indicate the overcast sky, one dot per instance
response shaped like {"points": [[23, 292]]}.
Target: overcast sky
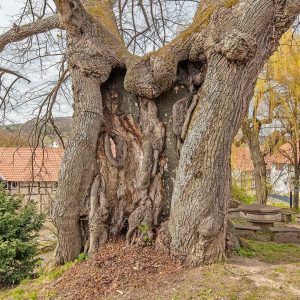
{"points": [[8, 10]]}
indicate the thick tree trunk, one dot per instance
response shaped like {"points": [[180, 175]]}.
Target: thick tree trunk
{"points": [[199, 205], [127, 164], [77, 166], [259, 164], [198, 219], [129, 189]]}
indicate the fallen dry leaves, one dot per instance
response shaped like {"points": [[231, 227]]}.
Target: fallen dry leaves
{"points": [[116, 269]]}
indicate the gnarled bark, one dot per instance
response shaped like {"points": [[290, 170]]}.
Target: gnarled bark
{"points": [[213, 66], [137, 192], [236, 51]]}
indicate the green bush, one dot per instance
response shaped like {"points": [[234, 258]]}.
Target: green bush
{"points": [[19, 226]]}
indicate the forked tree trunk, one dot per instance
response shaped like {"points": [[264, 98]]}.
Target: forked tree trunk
{"points": [[127, 172], [195, 91]]}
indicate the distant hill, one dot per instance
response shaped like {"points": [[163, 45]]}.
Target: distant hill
{"points": [[25, 132], [11, 139]]}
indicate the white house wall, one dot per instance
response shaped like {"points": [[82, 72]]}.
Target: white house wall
{"points": [[41, 193], [281, 179]]}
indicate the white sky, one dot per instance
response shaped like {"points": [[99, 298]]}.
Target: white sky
{"points": [[8, 10]]}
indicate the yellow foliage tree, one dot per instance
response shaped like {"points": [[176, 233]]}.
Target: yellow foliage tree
{"points": [[276, 105], [283, 78]]}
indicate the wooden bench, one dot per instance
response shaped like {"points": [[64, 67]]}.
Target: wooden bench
{"points": [[261, 215], [285, 235]]}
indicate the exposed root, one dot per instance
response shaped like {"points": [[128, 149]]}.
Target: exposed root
{"points": [[141, 216], [99, 213]]}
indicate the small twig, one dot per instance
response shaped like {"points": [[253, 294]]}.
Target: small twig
{"points": [[241, 274]]}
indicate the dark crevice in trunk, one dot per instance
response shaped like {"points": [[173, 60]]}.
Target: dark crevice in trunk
{"points": [[137, 159]]}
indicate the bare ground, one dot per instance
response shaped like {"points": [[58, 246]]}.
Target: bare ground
{"points": [[120, 272]]}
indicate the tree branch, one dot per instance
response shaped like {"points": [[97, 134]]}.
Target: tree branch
{"points": [[18, 75], [18, 33], [102, 11], [219, 26]]}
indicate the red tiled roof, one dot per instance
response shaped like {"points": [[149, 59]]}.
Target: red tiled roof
{"points": [[241, 158], [284, 154], [25, 164]]}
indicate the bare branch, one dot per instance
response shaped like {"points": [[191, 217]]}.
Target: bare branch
{"points": [[18, 33], [18, 75]]}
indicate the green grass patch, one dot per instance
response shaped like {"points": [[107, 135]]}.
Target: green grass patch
{"points": [[55, 272], [270, 252], [245, 252], [240, 195], [278, 204], [22, 294], [280, 269]]}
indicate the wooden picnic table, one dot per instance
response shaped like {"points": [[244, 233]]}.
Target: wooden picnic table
{"points": [[261, 215]]}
